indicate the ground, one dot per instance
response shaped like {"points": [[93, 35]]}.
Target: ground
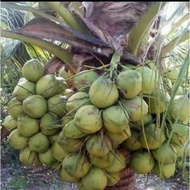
{"points": [[16, 176]]}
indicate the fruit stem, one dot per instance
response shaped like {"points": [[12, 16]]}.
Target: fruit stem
{"points": [[115, 60]]}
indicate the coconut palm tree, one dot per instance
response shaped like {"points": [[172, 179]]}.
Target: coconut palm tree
{"points": [[84, 35]]}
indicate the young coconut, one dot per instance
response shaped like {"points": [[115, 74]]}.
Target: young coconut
{"points": [[118, 162], [98, 145], [24, 89], [165, 154], [68, 178], [76, 101], [47, 157], [142, 162], [132, 143], [164, 171], [48, 124], [179, 133], [16, 140], [129, 83], [39, 143], [113, 178], [9, 123], [103, 92], [148, 79], [47, 86], [15, 108], [69, 144], [95, 179], [27, 126], [35, 106], [33, 70], [180, 108], [84, 79], [115, 119], [28, 157], [88, 119], [70, 130], [136, 107], [76, 165], [58, 152], [57, 104], [152, 137]]}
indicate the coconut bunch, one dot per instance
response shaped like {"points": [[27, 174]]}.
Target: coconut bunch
{"points": [[35, 110], [105, 114]]}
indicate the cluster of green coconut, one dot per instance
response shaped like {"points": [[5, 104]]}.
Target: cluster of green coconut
{"points": [[34, 114], [105, 115], [82, 133]]}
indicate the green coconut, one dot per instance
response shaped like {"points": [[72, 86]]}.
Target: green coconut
{"points": [[16, 140], [118, 138], [69, 144], [48, 124], [33, 70], [80, 186], [165, 154], [57, 104], [180, 149], [58, 152], [113, 178], [130, 83], [88, 119], [27, 126], [76, 101], [24, 89], [95, 179], [179, 133], [47, 86], [118, 162], [136, 107], [35, 106], [9, 123], [76, 165], [115, 119], [148, 79], [164, 171], [68, 178], [180, 108], [84, 79], [28, 157], [39, 143], [53, 138], [152, 137], [142, 162], [15, 108], [158, 101], [56, 166], [101, 162], [103, 92], [98, 145], [146, 119], [172, 74], [132, 143], [70, 130], [47, 157]]}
